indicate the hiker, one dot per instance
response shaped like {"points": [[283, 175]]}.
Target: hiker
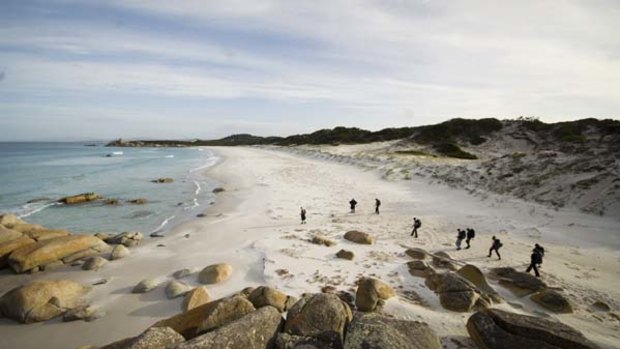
{"points": [[540, 250], [377, 204], [303, 215], [495, 247], [535, 258], [416, 225], [459, 238], [470, 235], [352, 203]]}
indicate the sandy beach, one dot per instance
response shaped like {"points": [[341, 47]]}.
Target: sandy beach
{"points": [[254, 225]]}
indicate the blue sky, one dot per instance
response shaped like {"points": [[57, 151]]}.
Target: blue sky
{"points": [[185, 69]]}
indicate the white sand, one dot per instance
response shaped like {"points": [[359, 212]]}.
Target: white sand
{"points": [[255, 227]]}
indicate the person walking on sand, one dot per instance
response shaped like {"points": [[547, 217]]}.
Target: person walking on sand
{"points": [[540, 250], [303, 215], [352, 203], [471, 233], [459, 238], [535, 259], [416, 225], [377, 204], [495, 247]]}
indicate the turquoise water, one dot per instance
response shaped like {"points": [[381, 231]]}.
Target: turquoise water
{"points": [[33, 176]]}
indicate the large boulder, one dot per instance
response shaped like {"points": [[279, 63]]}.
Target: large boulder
{"points": [[176, 289], [146, 285], [195, 298], [519, 283], [152, 338], [359, 237], [474, 275], [552, 300], [7, 247], [41, 300], [370, 291], [290, 341], [263, 296], [443, 260], [128, 239], [87, 313], [374, 331], [420, 268], [7, 234], [256, 330], [80, 198], [119, 251], [94, 263], [9, 219], [456, 293], [46, 234], [497, 329], [344, 254], [47, 251], [323, 316], [208, 316], [215, 273], [416, 253]]}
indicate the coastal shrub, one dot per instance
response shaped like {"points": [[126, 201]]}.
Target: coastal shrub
{"points": [[454, 151], [450, 131]]}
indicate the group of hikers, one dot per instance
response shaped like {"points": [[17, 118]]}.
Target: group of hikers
{"points": [[466, 234]]}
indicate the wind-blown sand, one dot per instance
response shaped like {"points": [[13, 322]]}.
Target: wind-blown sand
{"points": [[255, 227]]}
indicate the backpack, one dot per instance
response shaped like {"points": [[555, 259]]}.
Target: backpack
{"points": [[418, 223]]}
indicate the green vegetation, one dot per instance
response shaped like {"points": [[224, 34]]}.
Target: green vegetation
{"points": [[472, 131], [454, 151]]}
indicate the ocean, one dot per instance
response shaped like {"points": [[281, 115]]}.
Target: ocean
{"points": [[33, 176]]}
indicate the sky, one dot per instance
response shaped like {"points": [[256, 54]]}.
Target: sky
{"points": [[91, 69]]}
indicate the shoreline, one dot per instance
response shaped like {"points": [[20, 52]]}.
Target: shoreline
{"points": [[254, 226]]}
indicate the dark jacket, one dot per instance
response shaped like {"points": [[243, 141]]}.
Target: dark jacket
{"points": [[471, 234], [497, 244], [536, 258], [462, 234]]}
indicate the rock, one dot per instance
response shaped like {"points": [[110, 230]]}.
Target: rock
{"points": [[112, 202], [246, 291], [420, 268], [7, 234], [46, 234], [218, 190], [138, 201], [100, 282], [416, 253], [156, 235], [163, 180], [7, 247], [553, 301], [264, 323], [344, 254], [374, 331], [179, 274], [41, 300], [443, 260], [359, 237], [370, 291], [323, 316], [215, 273], [290, 302], [263, 296], [497, 329], [52, 266], [176, 289], [289, 341], [94, 263], [9, 220], [601, 306], [208, 316], [47, 251], [80, 198], [87, 313], [145, 286], [25, 228], [519, 283], [456, 293], [152, 338], [195, 298], [129, 239], [84, 254], [322, 240], [474, 275], [104, 236], [201, 215], [119, 251]]}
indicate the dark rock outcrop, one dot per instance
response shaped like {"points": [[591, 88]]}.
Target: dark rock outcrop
{"points": [[344, 254], [80, 198], [359, 237], [552, 300], [374, 331], [497, 329], [519, 283], [263, 296], [153, 338], [370, 291]]}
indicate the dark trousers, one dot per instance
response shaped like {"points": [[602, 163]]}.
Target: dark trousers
{"points": [[377, 209], [467, 242], [496, 252], [414, 232], [533, 266]]}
